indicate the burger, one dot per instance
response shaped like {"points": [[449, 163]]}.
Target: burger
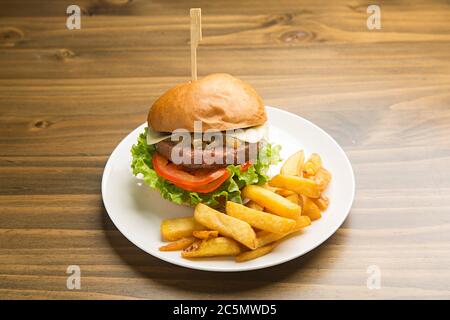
{"points": [[205, 140]]}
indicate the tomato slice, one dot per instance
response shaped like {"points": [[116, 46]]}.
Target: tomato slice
{"points": [[245, 166], [206, 188], [177, 176]]}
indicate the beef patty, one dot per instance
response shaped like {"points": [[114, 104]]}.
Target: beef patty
{"points": [[227, 154]]}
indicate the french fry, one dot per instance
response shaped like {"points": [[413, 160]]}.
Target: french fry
{"points": [[280, 191], [301, 164], [253, 254], [312, 164], [273, 189], [259, 219], [219, 246], [179, 244], [294, 198], [272, 202], [310, 209], [205, 234], [322, 178], [284, 192], [301, 223], [322, 202], [174, 229], [254, 205], [265, 237], [228, 226], [294, 164], [300, 185]]}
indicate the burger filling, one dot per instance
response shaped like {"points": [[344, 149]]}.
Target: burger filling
{"points": [[207, 172]]}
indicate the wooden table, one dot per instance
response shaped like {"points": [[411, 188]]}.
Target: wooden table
{"points": [[67, 97]]}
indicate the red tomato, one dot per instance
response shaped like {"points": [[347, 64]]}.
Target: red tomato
{"points": [[206, 188], [177, 176], [245, 166]]}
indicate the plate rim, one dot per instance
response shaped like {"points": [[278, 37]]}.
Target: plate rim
{"points": [[239, 267]]}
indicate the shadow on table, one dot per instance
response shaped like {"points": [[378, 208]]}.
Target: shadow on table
{"points": [[206, 283]]}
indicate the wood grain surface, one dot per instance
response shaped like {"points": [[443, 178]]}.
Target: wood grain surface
{"points": [[67, 97]]}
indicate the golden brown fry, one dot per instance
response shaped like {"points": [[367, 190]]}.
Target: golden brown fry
{"points": [[294, 198], [312, 164], [174, 229], [253, 254], [280, 191], [310, 209], [293, 165], [265, 237], [301, 223], [273, 189], [206, 234], [322, 202], [300, 185], [272, 202], [254, 205], [219, 246], [228, 226], [284, 192], [179, 244], [259, 219], [322, 178]]}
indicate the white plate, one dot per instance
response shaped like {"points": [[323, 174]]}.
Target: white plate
{"points": [[137, 210]]}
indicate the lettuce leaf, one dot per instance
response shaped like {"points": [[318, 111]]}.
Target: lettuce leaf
{"points": [[230, 190]]}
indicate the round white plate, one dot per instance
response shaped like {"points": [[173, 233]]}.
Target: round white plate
{"points": [[137, 210]]}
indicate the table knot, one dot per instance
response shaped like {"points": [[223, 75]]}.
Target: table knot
{"points": [[297, 36], [63, 54], [9, 36], [42, 124]]}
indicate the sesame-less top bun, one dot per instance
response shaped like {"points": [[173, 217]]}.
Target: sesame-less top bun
{"points": [[220, 101]]}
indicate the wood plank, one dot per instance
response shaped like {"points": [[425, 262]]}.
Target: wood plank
{"points": [[95, 8], [331, 60], [296, 28]]}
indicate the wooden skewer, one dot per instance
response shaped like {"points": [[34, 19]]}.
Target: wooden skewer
{"points": [[196, 36]]}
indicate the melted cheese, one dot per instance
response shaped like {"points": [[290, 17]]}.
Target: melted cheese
{"points": [[154, 137], [252, 134]]}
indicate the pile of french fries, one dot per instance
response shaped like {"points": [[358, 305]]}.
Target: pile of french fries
{"points": [[287, 204]]}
